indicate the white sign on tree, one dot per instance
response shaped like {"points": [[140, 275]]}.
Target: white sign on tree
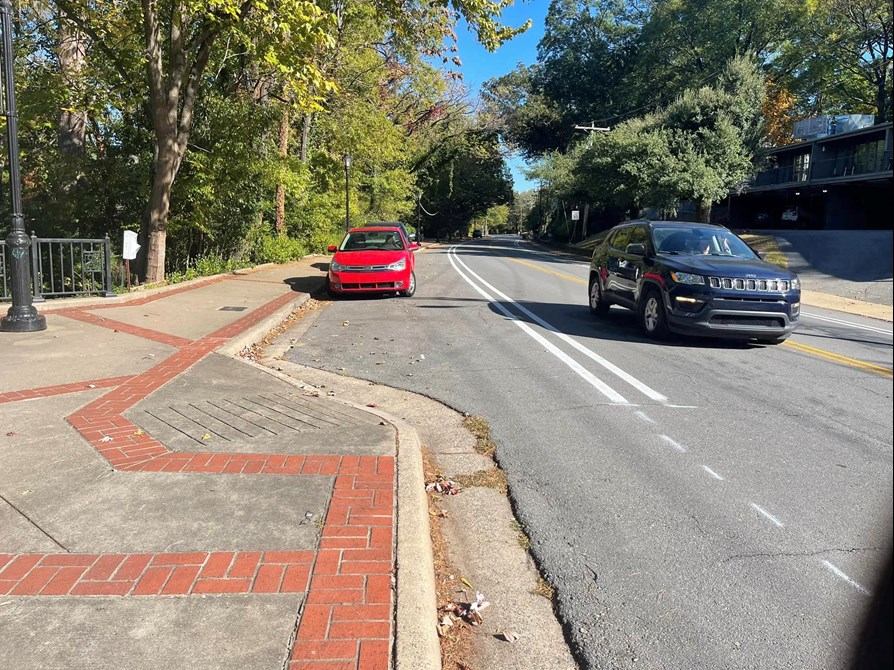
{"points": [[131, 247]]}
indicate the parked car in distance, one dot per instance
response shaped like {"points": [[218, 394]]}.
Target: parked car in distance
{"points": [[693, 278], [373, 259], [392, 224], [477, 234]]}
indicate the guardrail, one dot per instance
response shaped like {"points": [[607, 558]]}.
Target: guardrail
{"points": [[63, 267]]}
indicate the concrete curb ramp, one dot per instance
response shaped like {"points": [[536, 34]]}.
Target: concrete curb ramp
{"points": [[416, 645]]}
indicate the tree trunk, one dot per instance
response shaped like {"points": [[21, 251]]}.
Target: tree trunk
{"points": [[881, 99], [703, 211], [305, 137], [165, 171], [280, 222], [72, 57]]}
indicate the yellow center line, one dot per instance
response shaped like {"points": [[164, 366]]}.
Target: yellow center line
{"points": [[576, 280], [838, 358], [797, 346]]}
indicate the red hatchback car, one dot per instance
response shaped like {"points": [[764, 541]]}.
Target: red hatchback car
{"points": [[373, 259]]}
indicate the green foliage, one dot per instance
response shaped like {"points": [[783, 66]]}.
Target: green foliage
{"points": [[202, 87], [698, 148], [277, 249]]}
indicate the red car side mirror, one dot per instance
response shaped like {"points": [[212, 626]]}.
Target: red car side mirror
{"points": [[332, 248], [414, 246]]}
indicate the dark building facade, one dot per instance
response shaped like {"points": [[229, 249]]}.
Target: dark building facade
{"points": [[840, 181]]}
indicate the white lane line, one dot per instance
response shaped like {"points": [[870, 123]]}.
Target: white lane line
{"points": [[611, 367], [764, 512], [585, 374], [712, 473], [676, 445], [838, 573], [642, 415], [842, 322]]}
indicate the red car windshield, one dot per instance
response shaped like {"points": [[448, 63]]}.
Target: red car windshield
{"points": [[372, 240]]}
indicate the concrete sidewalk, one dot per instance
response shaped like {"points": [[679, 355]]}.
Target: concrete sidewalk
{"points": [[163, 504]]}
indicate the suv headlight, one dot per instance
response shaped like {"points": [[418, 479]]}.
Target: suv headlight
{"points": [[795, 284], [399, 265], [336, 267], [687, 278]]}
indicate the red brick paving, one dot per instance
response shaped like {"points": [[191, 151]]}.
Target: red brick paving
{"points": [[60, 389], [346, 622], [120, 326]]}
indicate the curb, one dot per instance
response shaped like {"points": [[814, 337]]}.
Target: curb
{"points": [[869, 310], [258, 331], [416, 645]]}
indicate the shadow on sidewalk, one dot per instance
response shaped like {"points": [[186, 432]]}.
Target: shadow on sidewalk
{"points": [[305, 284]]}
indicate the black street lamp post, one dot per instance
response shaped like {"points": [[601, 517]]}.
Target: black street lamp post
{"points": [[22, 317], [347, 160]]}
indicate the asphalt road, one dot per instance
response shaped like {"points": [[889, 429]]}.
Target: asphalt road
{"points": [[696, 504]]}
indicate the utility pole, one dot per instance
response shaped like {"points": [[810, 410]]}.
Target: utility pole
{"points": [[592, 128]]}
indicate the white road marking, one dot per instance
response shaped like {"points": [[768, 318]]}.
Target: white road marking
{"points": [[842, 322], [712, 473], [764, 512], [611, 367], [585, 374], [642, 415], [676, 445], [838, 573]]}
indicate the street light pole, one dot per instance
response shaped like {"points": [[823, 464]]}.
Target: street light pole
{"points": [[22, 317], [347, 160]]}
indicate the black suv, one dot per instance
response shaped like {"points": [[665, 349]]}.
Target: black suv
{"points": [[693, 278]]}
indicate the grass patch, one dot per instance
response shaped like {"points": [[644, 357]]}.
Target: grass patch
{"points": [[523, 540], [767, 247], [492, 478], [544, 589], [480, 428]]}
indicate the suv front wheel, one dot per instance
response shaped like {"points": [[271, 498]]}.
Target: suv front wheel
{"points": [[652, 317]]}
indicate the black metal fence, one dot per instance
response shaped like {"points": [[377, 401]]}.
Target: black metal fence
{"points": [[63, 267]]}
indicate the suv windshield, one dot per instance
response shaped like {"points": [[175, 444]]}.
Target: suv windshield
{"points": [[699, 241], [374, 240]]}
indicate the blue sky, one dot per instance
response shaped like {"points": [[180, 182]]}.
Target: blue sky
{"points": [[479, 65]]}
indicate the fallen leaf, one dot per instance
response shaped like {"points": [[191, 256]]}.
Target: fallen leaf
{"points": [[508, 635], [106, 439], [206, 436], [10, 434], [138, 432], [466, 582], [371, 404]]}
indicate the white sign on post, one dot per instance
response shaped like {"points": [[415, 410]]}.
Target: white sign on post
{"points": [[575, 214], [131, 247]]}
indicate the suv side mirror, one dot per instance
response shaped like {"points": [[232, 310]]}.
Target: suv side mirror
{"points": [[636, 249], [331, 248]]}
